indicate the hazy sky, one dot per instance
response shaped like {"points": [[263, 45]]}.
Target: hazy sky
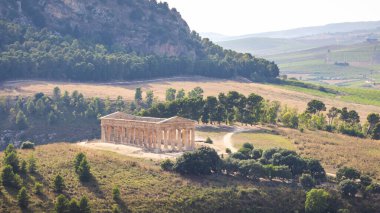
{"points": [[237, 17]]}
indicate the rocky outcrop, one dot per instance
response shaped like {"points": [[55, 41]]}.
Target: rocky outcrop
{"points": [[142, 26]]}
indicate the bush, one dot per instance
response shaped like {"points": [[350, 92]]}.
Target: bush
{"points": [[245, 151], [209, 141], [256, 153], [61, 204], [116, 193], [23, 167], [307, 181], [38, 188], [230, 165], [78, 160], [32, 166], [167, 165], [347, 173], [280, 172], [73, 206], [59, 184], [315, 168], [317, 201], [115, 209], [27, 145], [374, 188], [84, 171], [9, 178], [365, 180], [252, 169], [248, 146], [202, 161], [84, 205], [228, 151], [11, 159], [348, 188], [239, 156], [23, 198]]}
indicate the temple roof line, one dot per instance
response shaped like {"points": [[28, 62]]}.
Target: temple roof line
{"points": [[128, 117]]}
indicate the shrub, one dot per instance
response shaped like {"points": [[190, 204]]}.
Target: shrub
{"points": [[365, 180], [73, 206], [209, 141], [12, 160], [251, 169], [256, 153], [239, 156], [32, 166], [202, 161], [9, 178], [374, 188], [167, 165], [84, 205], [38, 188], [245, 151], [317, 201], [280, 172], [348, 188], [228, 151], [23, 167], [27, 145], [78, 160], [61, 204], [59, 184], [116, 193], [23, 198], [115, 209], [347, 173], [315, 168], [230, 165], [307, 181], [84, 171], [248, 146]]}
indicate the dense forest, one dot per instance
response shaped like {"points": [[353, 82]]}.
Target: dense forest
{"points": [[35, 45]]}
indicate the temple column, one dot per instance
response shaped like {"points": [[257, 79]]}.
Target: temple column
{"points": [[192, 144], [103, 136], [180, 139], [165, 139], [186, 138]]}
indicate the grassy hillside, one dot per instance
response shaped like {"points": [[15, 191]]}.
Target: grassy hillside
{"points": [[318, 64], [362, 100], [145, 188]]}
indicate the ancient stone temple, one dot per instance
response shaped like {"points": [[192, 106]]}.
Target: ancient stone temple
{"points": [[158, 134]]}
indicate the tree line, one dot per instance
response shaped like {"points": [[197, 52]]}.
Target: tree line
{"points": [[27, 52]]}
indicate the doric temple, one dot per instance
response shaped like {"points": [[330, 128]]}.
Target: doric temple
{"points": [[158, 134]]}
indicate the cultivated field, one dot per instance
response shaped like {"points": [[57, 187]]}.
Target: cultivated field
{"points": [[295, 97]]}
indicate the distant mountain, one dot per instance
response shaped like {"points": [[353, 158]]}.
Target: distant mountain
{"points": [[290, 42], [307, 31]]}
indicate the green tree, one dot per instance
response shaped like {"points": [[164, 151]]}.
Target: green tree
{"points": [[84, 205], [21, 120], [59, 184], [23, 168], [56, 93], [32, 165], [38, 188], [9, 178], [248, 146], [170, 94], [23, 198], [138, 95], [11, 158], [149, 98], [317, 201], [347, 173], [376, 132], [197, 92], [208, 140], [180, 94], [348, 188], [372, 119], [315, 106], [332, 114], [84, 171], [78, 159], [115, 209], [61, 204], [167, 165], [307, 181], [73, 206], [116, 193], [210, 107], [202, 161]]}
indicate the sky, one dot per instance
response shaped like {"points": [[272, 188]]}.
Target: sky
{"points": [[240, 17]]}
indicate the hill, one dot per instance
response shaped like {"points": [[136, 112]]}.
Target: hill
{"points": [[111, 40], [322, 64], [145, 187]]}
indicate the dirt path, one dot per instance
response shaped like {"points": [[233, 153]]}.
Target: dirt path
{"points": [[227, 139]]}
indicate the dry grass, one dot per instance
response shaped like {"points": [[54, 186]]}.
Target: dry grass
{"points": [[144, 187], [262, 140], [210, 86], [335, 150]]}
